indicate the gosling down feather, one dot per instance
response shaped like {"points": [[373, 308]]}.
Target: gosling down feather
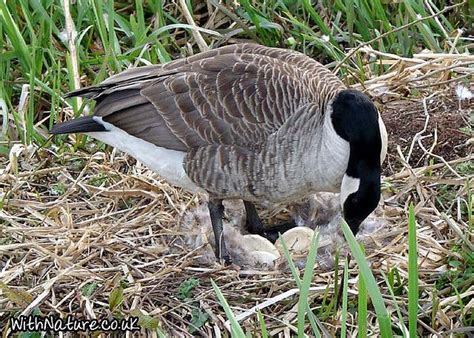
{"points": [[264, 125]]}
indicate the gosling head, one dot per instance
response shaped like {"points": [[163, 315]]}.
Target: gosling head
{"points": [[356, 120]]}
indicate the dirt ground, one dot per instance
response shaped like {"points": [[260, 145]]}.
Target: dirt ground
{"points": [[447, 133]]}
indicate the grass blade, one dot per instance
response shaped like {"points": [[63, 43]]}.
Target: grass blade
{"points": [[412, 273], [350, 20], [401, 322], [344, 300], [362, 307], [423, 27], [100, 23], [317, 18], [307, 278], [234, 324], [312, 318], [15, 36], [382, 314], [263, 327]]}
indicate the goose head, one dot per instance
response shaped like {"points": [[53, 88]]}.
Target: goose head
{"points": [[356, 119]]}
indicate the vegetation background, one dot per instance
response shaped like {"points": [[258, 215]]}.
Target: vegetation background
{"points": [[68, 224]]}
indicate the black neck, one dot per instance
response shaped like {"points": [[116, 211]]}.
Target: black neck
{"points": [[355, 119]]}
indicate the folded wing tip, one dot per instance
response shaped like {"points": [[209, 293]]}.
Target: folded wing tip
{"points": [[87, 92]]}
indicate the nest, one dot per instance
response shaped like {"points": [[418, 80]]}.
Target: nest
{"points": [[79, 229]]}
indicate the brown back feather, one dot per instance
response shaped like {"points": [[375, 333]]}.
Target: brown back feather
{"points": [[238, 94]]}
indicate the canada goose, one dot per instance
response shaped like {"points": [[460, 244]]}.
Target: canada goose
{"points": [[244, 121]]}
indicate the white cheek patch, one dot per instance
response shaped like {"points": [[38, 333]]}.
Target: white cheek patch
{"points": [[384, 137], [349, 186]]}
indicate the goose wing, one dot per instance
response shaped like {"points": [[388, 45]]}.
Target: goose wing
{"points": [[238, 94]]}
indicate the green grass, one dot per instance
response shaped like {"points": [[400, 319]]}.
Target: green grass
{"points": [[235, 327], [383, 317], [303, 305], [345, 286], [362, 307], [412, 274], [263, 326]]}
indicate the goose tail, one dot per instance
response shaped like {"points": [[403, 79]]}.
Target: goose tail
{"points": [[83, 124]]}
